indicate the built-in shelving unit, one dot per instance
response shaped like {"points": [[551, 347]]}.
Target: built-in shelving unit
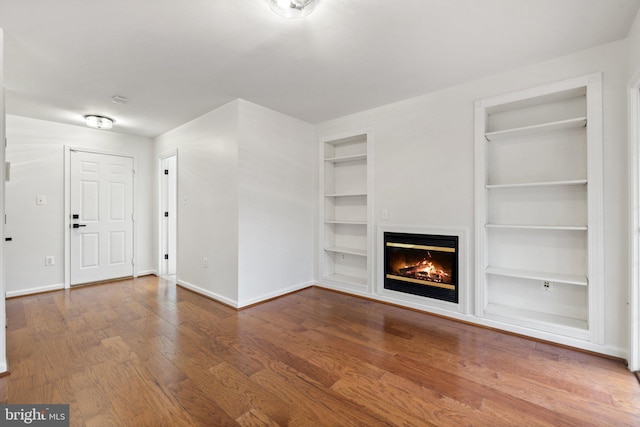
{"points": [[539, 128], [344, 159], [538, 184], [573, 279], [332, 221], [538, 227], [345, 195], [345, 215], [539, 210]]}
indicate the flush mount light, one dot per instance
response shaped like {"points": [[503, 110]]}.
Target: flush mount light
{"points": [[99, 122], [292, 8]]}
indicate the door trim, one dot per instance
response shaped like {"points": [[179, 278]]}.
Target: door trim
{"points": [[634, 221], [67, 206], [160, 159]]}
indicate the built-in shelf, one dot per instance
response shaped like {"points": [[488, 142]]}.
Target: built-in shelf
{"points": [[338, 221], [539, 227], [344, 279], [346, 195], [350, 251], [532, 130], [539, 208], [538, 184], [529, 317], [343, 159], [571, 279], [345, 211]]}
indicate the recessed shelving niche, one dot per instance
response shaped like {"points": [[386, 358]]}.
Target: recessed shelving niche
{"points": [[345, 214], [539, 210]]}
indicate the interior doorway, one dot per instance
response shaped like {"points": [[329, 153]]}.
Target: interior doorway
{"points": [[168, 215]]}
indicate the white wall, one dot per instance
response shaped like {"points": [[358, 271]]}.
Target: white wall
{"points": [[246, 174], [35, 149], [634, 46], [207, 201], [276, 205], [428, 142]]}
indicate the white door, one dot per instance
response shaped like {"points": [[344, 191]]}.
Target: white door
{"points": [[169, 215], [101, 200]]}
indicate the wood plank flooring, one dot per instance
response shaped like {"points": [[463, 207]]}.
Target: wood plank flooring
{"points": [[145, 353]]}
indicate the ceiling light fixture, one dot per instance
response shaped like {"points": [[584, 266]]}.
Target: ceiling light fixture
{"points": [[292, 8], [99, 122]]}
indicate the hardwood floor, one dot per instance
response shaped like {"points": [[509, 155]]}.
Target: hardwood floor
{"points": [[145, 353]]}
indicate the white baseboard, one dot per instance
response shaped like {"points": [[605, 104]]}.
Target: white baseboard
{"points": [[146, 273], [276, 294], [22, 292], [207, 293], [245, 303]]}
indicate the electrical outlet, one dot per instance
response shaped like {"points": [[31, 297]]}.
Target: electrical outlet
{"points": [[546, 286], [205, 262], [49, 260]]}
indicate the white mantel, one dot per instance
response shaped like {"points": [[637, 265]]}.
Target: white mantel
{"points": [[419, 302]]}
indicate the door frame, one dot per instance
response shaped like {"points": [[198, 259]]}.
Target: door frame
{"points": [[161, 232], [634, 221], [67, 206]]}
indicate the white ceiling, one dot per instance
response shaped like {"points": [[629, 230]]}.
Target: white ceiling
{"points": [[176, 60]]}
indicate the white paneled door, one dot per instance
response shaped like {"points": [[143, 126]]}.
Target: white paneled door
{"points": [[101, 200]]}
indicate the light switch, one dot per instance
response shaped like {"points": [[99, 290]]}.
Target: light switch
{"points": [[384, 214], [41, 200]]}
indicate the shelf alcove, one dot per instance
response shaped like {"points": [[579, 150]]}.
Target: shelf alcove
{"points": [[539, 211]]}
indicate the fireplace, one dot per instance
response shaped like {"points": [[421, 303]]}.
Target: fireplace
{"points": [[422, 264]]}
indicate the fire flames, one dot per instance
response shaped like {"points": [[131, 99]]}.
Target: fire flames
{"points": [[425, 269]]}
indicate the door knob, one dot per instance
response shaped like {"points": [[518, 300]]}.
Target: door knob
{"points": [[79, 225]]}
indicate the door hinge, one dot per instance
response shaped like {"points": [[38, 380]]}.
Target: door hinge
{"points": [[166, 256], [166, 214], [166, 171]]}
